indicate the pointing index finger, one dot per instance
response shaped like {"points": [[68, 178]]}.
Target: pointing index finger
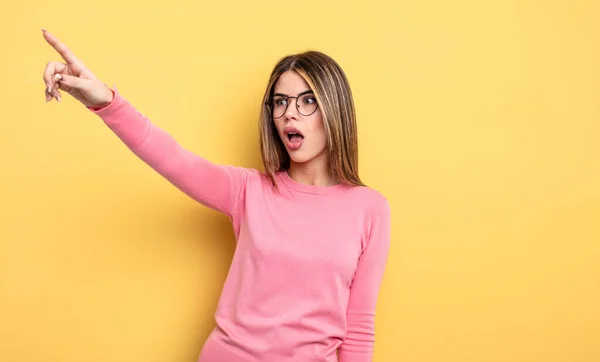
{"points": [[62, 49]]}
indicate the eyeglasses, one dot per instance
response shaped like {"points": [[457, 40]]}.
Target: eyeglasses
{"points": [[306, 104]]}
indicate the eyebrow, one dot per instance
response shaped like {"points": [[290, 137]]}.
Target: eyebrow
{"points": [[299, 94]]}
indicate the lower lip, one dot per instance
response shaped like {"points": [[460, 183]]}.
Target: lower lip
{"points": [[294, 145]]}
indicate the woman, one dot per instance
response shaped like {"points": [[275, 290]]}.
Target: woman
{"points": [[312, 240]]}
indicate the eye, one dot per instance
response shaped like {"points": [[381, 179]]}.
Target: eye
{"points": [[309, 99], [279, 101]]}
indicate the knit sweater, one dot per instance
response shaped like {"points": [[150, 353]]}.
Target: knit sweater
{"points": [[308, 262]]}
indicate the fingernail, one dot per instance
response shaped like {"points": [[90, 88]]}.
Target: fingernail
{"points": [[58, 97], [49, 87], [58, 76]]}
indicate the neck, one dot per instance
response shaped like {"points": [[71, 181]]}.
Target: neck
{"points": [[312, 173]]}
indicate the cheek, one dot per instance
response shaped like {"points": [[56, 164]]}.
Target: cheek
{"points": [[278, 126], [318, 128]]}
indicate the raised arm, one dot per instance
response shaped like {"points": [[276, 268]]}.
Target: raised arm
{"points": [[215, 186]]}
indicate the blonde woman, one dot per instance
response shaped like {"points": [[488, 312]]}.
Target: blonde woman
{"points": [[312, 240]]}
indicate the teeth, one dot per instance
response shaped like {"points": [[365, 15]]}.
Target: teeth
{"points": [[291, 134]]}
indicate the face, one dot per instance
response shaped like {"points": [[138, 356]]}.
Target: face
{"points": [[300, 126]]}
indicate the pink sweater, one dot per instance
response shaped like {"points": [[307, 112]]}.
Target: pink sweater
{"points": [[308, 263]]}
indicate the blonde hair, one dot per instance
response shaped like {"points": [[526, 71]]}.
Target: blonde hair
{"points": [[331, 88]]}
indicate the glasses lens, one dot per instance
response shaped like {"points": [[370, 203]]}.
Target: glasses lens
{"points": [[307, 104], [279, 106]]}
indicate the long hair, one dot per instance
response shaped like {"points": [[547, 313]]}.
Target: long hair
{"points": [[331, 88]]}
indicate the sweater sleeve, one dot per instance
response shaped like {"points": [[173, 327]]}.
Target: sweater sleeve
{"points": [[215, 186], [358, 346]]}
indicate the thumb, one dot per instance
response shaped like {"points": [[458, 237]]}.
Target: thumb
{"points": [[72, 81], [88, 91]]}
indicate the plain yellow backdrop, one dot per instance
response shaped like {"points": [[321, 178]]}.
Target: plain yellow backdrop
{"points": [[479, 120]]}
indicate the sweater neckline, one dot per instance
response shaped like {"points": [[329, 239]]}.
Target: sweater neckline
{"points": [[309, 189]]}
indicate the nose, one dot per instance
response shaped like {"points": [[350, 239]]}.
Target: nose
{"points": [[292, 109]]}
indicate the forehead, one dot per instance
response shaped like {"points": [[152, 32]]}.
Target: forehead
{"points": [[290, 83]]}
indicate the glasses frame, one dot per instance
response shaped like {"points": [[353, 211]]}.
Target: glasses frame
{"points": [[269, 103]]}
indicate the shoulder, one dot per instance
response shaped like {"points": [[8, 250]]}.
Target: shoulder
{"points": [[375, 215], [373, 208], [251, 179], [372, 200], [245, 173]]}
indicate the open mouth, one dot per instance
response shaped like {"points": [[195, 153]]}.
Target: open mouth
{"points": [[294, 136]]}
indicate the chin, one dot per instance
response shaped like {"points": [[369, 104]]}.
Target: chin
{"points": [[302, 156], [307, 152], [299, 158]]}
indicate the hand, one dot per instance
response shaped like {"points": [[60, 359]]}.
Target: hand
{"points": [[74, 78]]}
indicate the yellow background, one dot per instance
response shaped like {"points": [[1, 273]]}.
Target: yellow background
{"points": [[479, 120]]}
